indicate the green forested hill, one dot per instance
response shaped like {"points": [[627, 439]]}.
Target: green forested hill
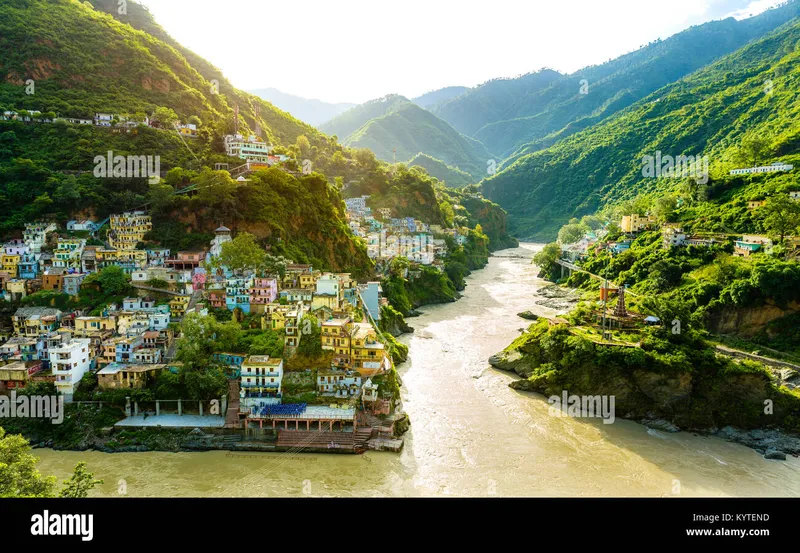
{"points": [[85, 58], [451, 176], [407, 129], [511, 116], [490, 102], [350, 121], [397, 129], [752, 92]]}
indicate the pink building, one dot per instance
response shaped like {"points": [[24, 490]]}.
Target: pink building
{"points": [[217, 299], [264, 291], [198, 279]]}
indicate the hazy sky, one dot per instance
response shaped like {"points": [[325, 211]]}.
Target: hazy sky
{"points": [[356, 50]]}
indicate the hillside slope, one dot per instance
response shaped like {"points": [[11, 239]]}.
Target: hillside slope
{"points": [[752, 92], [451, 176], [513, 115], [407, 129]]}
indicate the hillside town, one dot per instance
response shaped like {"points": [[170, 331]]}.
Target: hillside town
{"points": [[127, 343], [389, 237]]}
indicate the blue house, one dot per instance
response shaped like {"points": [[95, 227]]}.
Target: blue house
{"points": [[28, 267], [371, 294], [230, 359]]}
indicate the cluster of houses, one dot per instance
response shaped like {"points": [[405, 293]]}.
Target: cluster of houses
{"points": [[99, 120], [49, 345], [388, 237], [44, 260], [673, 236]]}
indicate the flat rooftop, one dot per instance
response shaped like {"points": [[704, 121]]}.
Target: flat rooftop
{"points": [[174, 421]]}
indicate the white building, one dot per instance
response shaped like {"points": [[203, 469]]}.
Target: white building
{"points": [[222, 235], [774, 168], [251, 149], [69, 362]]}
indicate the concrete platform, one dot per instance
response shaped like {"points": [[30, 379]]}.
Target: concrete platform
{"points": [[174, 421]]}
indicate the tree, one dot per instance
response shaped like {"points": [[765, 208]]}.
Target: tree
{"points": [[664, 207], [753, 150], [19, 477], [194, 120], [366, 158], [164, 118], [546, 259], [275, 265], [267, 343], [448, 215], [242, 253], [781, 215], [311, 340], [571, 233], [80, 483], [592, 221], [665, 274], [67, 194], [113, 280], [18, 474], [206, 383], [202, 335], [303, 146], [160, 196]]}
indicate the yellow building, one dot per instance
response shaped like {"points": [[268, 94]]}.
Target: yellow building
{"points": [[367, 353], [127, 259], [325, 300], [16, 289], [125, 376], [755, 204], [67, 254], [335, 336], [309, 280], [91, 326], [274, 317], [128, 229], [636, 223], [9, 264], [178, 306]]}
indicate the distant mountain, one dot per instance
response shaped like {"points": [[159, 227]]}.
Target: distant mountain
{"points": [[395, 128], [434, 97], [313, 112], [749, 93], [491, 101], [536, 110], [451, 176]]}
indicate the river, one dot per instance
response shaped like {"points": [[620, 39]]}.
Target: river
{"points": [[471, 434]]}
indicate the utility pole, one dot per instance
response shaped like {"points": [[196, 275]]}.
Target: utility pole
{"points": [[605, 300]]}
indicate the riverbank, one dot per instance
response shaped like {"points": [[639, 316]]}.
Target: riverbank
{"points": [[666, 382]]}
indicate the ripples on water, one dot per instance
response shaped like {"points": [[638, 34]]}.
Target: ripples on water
{"points": [[471, 434]]}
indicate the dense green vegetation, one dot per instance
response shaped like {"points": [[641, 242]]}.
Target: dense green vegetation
{"points": [[19, 477], [396, 129], [449, 175], [677, 377], [534, 111], [714, 111]]}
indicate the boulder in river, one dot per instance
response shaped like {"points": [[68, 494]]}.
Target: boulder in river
{"points": [[775, 454], [528, 315]]}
